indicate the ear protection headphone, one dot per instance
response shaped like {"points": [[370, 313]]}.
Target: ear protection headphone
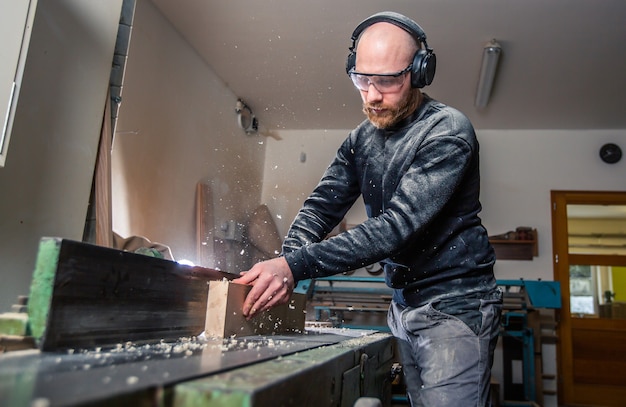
{"points": [[424, 60]]}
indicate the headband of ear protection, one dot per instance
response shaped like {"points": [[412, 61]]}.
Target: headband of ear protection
{"points": [[424, 60]]}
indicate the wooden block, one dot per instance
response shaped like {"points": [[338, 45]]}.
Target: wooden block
{"points": [[9, 343], [13, 323], [83, 295], [225, 319]]}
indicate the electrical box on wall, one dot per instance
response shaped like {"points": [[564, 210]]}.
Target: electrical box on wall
{"points": [[230, 230], [16, 22]]}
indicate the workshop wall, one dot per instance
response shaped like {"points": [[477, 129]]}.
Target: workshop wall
{"points": [[45, 185], [519, 168], [177, 127]]}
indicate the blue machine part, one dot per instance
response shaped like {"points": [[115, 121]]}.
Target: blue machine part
{"points": [[541, 294]]}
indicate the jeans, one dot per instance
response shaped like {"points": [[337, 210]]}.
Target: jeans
{"points": [[445, 362]]}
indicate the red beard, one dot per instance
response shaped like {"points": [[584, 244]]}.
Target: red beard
{"points": [[385, 116]]}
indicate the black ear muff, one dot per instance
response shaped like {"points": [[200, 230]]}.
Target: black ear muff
{"points": [[424, 60], [423, 72], [351, 61]]}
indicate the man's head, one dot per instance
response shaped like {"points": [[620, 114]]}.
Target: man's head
{"points": [[387, 65]]}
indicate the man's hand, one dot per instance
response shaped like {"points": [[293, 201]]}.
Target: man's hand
{"points": [[272, 284]]}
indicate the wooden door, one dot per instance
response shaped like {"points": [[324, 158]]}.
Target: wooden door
{"points": [[591, 353]]}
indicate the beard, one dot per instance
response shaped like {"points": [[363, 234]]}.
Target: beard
{"points": [[392, 114]]}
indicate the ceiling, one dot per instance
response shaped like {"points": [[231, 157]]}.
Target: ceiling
{"points": [[563, 63]]}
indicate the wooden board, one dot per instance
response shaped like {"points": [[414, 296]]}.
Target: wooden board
{"points": [[224, 317], [204, 226], [84, 295], [102, 181]]}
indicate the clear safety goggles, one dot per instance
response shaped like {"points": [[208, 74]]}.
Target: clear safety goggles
{"points": [[383, 82]]}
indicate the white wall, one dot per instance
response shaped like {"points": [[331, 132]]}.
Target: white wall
{"points": [[177, 127], [45, 185], [288, 181], [519, 168]]}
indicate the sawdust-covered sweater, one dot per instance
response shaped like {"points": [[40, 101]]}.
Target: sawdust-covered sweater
{"points": [[420, 183]]}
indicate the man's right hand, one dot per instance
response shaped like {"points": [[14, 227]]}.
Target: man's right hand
{"points": [[272, 284]]}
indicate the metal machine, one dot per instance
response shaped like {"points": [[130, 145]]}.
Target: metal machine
{"points": [[522, 337], [314, 368], [123, 329], [118, 328], [361, 302]]}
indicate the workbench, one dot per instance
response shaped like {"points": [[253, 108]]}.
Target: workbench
{"points": [[119, 328], [319, 367]]}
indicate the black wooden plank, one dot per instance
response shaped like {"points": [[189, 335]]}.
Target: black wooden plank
{"points": [[83, 296]]}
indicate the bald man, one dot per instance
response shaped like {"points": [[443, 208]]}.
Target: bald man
{"points": [[415, 163]]}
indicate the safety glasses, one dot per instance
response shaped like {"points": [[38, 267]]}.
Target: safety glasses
{"points": [[383, 82]]}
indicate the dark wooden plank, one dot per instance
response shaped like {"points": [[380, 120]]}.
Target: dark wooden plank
{"points": [[83, 296]]}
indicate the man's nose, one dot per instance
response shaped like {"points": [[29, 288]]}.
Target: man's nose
{"points": [[373, 94]]}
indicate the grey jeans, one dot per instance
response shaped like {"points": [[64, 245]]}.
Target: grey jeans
{"points": [[445, 362]]}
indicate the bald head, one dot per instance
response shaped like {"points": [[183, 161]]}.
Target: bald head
{"points": [[383, 48]]}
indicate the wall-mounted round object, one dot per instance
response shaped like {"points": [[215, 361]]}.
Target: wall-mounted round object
{"points": [[610, 153], [245, 118], [247, 121]]}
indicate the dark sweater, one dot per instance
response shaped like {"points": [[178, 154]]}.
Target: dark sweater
{"points": [[420, 183]]}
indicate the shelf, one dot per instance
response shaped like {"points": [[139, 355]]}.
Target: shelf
{"points": [[510, 246]]}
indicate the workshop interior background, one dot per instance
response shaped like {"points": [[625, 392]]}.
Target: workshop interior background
{"points": [[176, 127]]}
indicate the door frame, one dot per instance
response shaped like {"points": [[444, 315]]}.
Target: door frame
{"points": [[568, 392]]}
